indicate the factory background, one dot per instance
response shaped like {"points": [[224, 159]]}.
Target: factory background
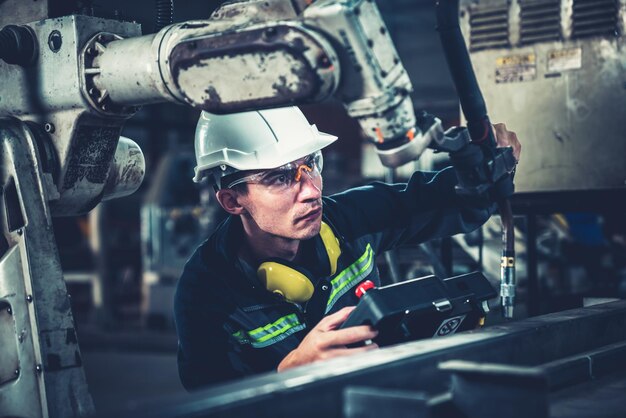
{"points": [[122, 260]]}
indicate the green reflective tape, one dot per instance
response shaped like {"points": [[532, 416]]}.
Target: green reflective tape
{"points": [[271, 333], [241, 337], [349, 277]]}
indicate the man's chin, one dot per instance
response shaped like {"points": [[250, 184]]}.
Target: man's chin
{"points": [[311, 230]]}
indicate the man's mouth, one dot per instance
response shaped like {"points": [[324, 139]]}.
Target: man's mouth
{"points": [[311, 215]]}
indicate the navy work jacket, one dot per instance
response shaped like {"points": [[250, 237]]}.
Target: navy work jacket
{"points": [[229, 326]]}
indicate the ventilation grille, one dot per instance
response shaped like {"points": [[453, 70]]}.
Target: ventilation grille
{"points": [[595, 17], [540, 21], [489, 27]]}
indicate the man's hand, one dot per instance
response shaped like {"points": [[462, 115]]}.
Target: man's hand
{"points": [[326, 341], [505, 138]]}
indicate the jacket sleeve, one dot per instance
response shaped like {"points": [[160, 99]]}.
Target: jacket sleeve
{"points": [[203, 343], [425, 208]]}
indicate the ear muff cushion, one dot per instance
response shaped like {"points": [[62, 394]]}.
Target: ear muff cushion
{"points": [[286, 279], [331, 243]]}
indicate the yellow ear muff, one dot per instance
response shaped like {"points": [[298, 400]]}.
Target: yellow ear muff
{"points": [[286, 281], [332, 246], [292, 282]]}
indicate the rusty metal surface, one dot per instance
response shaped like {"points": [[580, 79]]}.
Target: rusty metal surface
{"points": [[32, 281], [82, 136], [266, 65], [9, 336], [22, 395]]}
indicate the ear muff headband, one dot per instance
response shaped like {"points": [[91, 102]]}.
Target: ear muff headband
{"points": [[293, 282], [331, 243]]}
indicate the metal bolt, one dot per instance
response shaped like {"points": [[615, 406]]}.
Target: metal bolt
{"points": [[104, 106], [55, 40], [90, 51], [9, 311], [370, 43], [383, 30], [20, 231], [48, 127], [324, 287], [383, 74], [29, 298], [39, 369], [17, 372]]}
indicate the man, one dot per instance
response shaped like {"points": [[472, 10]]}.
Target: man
{"points": [[269, 289]]}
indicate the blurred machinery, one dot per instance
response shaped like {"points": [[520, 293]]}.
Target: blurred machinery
{"points": [[176, 216], [555, 71]]}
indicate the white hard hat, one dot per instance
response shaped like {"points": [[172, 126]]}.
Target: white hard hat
{"points": [[255, 140]]}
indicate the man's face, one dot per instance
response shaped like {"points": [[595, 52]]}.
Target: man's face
{"points": [[293, 212]]}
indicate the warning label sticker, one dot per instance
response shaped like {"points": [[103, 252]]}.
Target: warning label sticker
{"points": [[514, 68], [449, 326], [565, 59]]}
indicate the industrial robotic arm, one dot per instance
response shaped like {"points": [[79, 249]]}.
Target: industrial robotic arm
{"points": [[86, 76]]}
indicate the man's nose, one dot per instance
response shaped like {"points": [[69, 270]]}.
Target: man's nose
{"points": [[310, 186]]}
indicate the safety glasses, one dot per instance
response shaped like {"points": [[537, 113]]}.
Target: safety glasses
{"points": [[285, 176]]}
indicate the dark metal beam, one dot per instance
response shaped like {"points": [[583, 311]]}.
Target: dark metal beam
{"points": [[316, 390]]}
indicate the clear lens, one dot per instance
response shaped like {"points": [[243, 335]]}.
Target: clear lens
{"points": [[286, 176]]}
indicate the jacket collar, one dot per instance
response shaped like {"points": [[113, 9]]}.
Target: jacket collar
{"points": [[229, 234]]}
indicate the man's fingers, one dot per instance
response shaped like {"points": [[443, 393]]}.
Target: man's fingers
{"points": [[506, 138], [335, 320], [517, 147], [351, 335], [338, 352]]}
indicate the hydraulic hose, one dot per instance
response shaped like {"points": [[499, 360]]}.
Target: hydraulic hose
{"points": [[479, 127]]}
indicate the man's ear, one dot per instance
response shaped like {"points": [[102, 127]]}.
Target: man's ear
{"points": [[228, 199]]}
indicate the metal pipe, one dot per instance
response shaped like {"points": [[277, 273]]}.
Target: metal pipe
{"points": [[139, 80]]}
